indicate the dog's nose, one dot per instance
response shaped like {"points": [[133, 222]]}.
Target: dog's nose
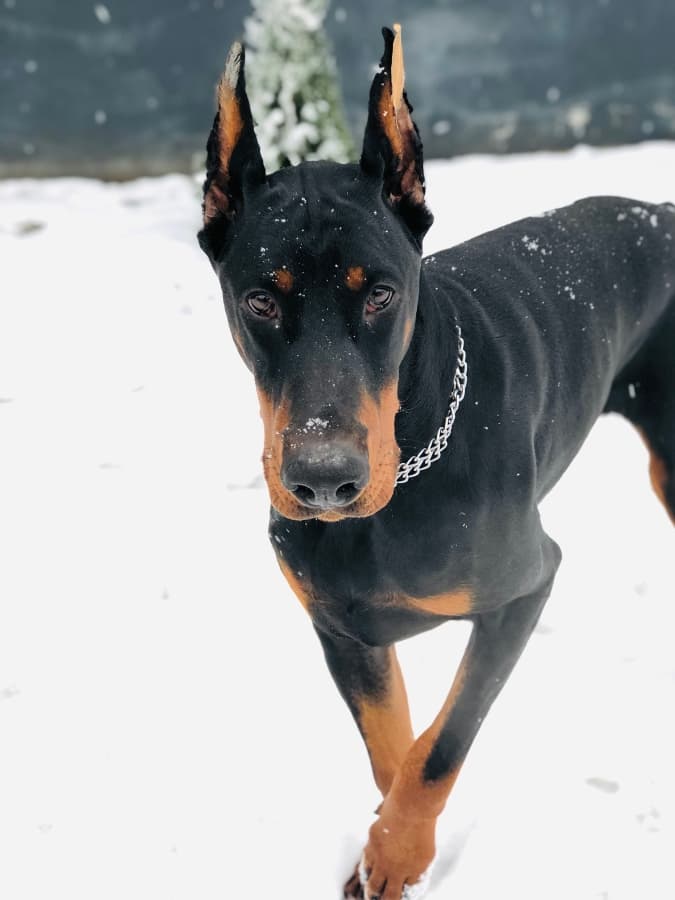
{"points": [[325, 475]]}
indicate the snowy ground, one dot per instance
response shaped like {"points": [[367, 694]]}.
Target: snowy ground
{"points": [[167, 727]]}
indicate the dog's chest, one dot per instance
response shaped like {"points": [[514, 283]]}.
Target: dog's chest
{"points": [[349, 588], [373, 618]]}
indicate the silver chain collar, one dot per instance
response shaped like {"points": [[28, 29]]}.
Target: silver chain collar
{"points": [[412, 467]]}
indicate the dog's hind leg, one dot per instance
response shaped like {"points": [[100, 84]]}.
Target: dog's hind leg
{"points": [[661, 471], [644, 392]]}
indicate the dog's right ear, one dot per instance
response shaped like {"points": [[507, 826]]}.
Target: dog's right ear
{"points": [[233, 159]]}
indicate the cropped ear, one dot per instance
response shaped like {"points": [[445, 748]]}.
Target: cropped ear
{"points": [[392, 138], [233, 159]]}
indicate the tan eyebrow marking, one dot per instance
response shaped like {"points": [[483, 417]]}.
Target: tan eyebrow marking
{"points": [[355, 278], [283, 280]]}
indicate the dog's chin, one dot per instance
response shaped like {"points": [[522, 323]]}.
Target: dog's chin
{"points": [[365, 505]]}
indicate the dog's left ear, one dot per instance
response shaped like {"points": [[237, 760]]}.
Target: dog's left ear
{"points": [[392, 138], [233, 159]]}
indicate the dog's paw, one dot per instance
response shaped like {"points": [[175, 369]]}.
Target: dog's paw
{"points": [[396, 864], [353, 889]]}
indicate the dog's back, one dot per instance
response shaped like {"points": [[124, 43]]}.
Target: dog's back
{"points": [[575, 304]]}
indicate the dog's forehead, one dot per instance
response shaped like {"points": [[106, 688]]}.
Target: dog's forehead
{"points": [[319, 219]]}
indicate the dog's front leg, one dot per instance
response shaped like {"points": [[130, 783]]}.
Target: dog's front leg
{"points": [[370, 681], [401, 844]]}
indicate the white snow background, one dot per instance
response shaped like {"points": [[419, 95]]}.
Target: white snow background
{"points": [[168, 730]]}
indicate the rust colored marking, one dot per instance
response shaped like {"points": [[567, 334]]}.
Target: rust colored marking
{"points": [[399, 130], [658, 475], [215, 202], [401, 843], [386, 727], [299, 589], [230, 125], [410, 796], [397, 68], [455, 603], [355, 278], [275, 419], [377, 415], [283, 279], [332, 515], [236, 337], [407, 332], [387, 115], [230, 122]]}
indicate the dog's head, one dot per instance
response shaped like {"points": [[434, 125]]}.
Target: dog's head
{"points": [[319, 267]]}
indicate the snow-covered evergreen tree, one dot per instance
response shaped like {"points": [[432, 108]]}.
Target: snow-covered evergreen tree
{"points": [[292, 83]]}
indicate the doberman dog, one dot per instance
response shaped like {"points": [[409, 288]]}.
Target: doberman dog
{"points": [[365, 355]]}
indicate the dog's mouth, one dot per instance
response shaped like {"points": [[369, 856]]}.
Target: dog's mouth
{"points": [[332, 475]]}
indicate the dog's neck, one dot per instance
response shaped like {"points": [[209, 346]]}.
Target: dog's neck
{"points": [[427, 371]]}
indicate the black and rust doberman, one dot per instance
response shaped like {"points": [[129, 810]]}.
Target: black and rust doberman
{"points": [[363, 355]]}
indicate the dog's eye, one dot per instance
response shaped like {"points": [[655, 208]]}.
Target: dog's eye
{"points": [[262, 304], [379, 298]]}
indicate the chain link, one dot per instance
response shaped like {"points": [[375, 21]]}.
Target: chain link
{"points": [[422, 460]]}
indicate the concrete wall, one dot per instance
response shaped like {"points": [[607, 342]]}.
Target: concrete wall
{"points": [[124, 87]]}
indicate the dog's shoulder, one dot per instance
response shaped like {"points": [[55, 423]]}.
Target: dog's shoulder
{"points": [[608, 246]]}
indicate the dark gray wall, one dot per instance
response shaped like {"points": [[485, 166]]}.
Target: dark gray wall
{"points": [[130, 92], [118, 98], [513, 75]]}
